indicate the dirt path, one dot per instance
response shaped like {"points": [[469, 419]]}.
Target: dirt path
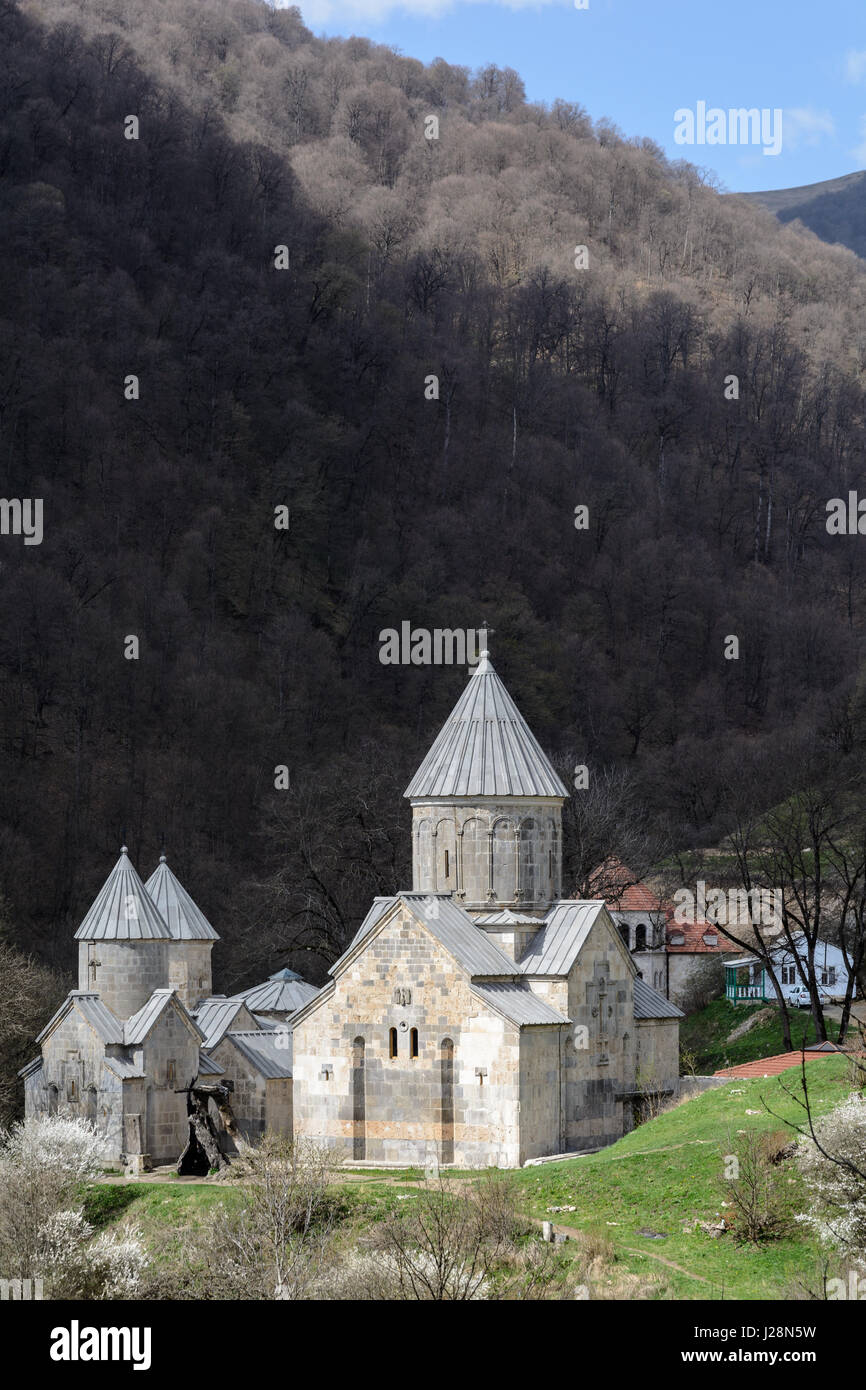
{"points": [[576, 1234]]}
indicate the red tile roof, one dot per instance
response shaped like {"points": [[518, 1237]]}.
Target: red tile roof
{"points": [[693, 936], [633, 897], [772, 1066], [637, 897]]}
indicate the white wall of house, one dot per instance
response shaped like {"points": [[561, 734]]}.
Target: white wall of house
{"points": [[829, 968]]}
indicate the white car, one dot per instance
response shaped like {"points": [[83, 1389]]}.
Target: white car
{"points": [[799, 997]]}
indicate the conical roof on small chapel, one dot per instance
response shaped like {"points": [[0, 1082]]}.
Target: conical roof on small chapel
{"points": [[184, 917], [485, 748], [123, 909]]}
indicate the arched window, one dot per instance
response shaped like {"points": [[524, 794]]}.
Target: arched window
{"points": [[624, 933], [640, 937], [413, 1043], [392, 1042]]}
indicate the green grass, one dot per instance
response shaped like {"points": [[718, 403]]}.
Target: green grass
{"points": [[664, 1174], [670, 1171], [164, 1213], [705, 1034]]}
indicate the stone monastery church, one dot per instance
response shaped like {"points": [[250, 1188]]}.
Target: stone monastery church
{"points": [[478, 1019]]}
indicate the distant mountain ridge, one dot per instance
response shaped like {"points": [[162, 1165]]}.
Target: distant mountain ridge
{"points": [[835, 210]]}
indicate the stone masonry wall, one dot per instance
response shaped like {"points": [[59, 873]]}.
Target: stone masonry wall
{"points": [[126, 972], [488, 853], [457, 1101], [600, 1055], [248, 1100], [170, 1056], [658, 1053], [74, 1077], [189, 970], [541, 1092]]}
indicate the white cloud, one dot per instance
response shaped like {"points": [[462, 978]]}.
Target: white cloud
{"points": [[855, 65], [803, 125]]}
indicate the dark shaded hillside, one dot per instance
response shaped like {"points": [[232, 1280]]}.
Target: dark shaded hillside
{"points": [[305, 388], [834, 210]]}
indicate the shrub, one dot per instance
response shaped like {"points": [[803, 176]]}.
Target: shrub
{"points": [[834, 1168]]}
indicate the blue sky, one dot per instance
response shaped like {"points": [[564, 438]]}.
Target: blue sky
{"points": [[639, 61]]}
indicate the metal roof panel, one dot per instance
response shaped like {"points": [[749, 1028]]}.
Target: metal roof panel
{"points": [[558, 943], [183, 917], [648, 1003], [485, 748], [519, 1004], [123, 909], [270, 1053]]}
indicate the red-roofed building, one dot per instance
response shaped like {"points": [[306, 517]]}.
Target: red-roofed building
{"points": [[676, 959], [639, 915]]}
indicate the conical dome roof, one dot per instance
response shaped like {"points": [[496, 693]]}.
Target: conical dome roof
{"points": [[486, 748], [123, 910], [185, 919]]}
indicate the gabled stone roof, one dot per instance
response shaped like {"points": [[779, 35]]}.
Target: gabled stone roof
{"points": [[485, 748], [215, 1017], [183, 917], [136, 1028], [452, 927], [105, 1025], [123, 909]]}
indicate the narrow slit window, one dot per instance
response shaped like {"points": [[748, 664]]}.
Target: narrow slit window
{"points": [[447, 864], [392, 1042], [413, 1043]]}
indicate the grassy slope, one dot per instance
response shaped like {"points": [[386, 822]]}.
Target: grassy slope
{"points": [[667, 1172], [705, 1033], [670, 1171]]}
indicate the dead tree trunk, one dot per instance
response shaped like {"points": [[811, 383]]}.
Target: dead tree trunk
{"points": [[202, 1153]]}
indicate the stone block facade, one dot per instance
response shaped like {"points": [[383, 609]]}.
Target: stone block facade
{"points": [[189, 971], [124, 973], [599, 1056], [489, 852], [402, 1063]]}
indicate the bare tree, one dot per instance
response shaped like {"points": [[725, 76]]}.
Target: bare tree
{"points": [[451, 1245]]}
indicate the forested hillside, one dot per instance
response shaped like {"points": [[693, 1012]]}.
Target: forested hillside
{"points": [[305, 387], [834, 210]]}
